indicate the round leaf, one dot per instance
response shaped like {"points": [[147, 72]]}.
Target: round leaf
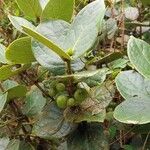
{"points": [[20, 52], [34, 102], [139, 55], [18, 22], [133, 111], [58, 9], [131, 84], [31, 8], [51, 123]]}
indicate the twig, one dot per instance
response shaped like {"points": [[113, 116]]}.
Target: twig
{"points": [[122, 24], [143, 148], [70, 79]]}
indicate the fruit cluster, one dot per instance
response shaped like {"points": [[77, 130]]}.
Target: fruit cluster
{"points": [[59, 91]]}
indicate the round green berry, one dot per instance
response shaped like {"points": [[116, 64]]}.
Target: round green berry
{"points": [[80, 95], [62, 101], [60, 87], [71, 102]]}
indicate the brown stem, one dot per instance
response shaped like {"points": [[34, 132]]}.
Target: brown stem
{"points": [[122, 24], [30, 79], [70, 79]]}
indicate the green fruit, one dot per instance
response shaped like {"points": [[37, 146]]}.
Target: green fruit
{"points": [[52, 92], [80, 95], [71, 102], [62, 101], [60, 87]]}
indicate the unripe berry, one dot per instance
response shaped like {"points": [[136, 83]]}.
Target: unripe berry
{"points": [[62, 101], [60, 87], [71, 102]]}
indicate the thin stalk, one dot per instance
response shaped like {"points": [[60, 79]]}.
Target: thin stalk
{"points": [[70, 79], [122, 24]]}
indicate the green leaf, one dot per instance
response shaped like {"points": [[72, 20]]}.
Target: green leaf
{"points": [[3, 143], [19, 145], [91, 14], [8, 71], [2, 54], [119, 63], [58, 9], [34, 102], [47, 58], [79, 37], [81, 75], [133, 111], [20, 51], [18, 22], [98, 78], [132, 84], [8, 84], [16, 92], [107, 59], [51, 123], [46, 42], [85, 113], [88, 137], [85, 27], [13, 89], [103, 94], [93, 108], [145, 2], [139, 55], [31, 8], [3, 100], [92, 78]]}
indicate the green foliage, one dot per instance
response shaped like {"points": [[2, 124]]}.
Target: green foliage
{"points": [[34, 102], [138, 52], [31, 8], [58, 9], [51, 123], [8, 71], [3, 99], [88, 137], [2, 54], [66, 78], [132, 84], [62, 101], [20, 52], [18, 22], [133, 111]]}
